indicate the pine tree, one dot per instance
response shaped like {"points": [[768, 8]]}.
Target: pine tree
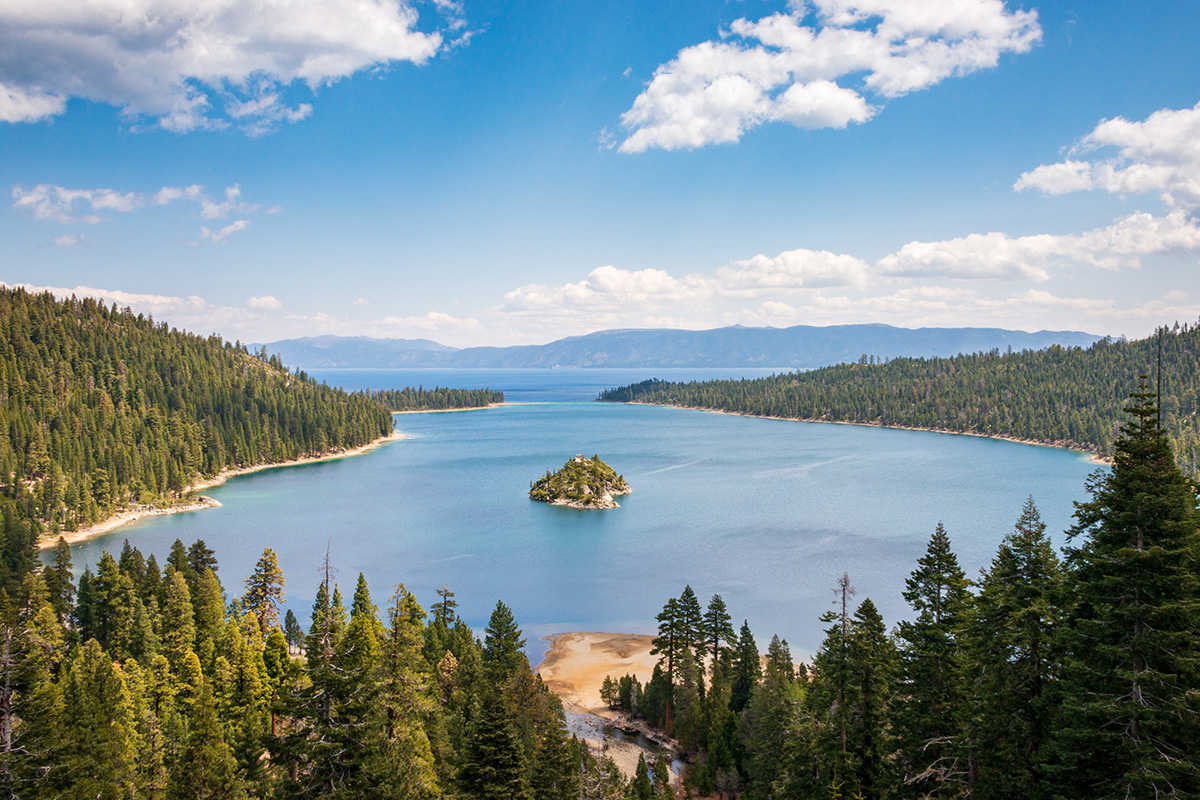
{"points": [[766, 721], [668, 646], [503, 645], [1014, 660], [718, 627], [399, 759], [264, 590], [931, 714], [872, 667], [747, 670], [1131, 717], [493, 765]]}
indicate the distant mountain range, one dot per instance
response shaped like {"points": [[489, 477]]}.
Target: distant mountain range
{"points": [[801, 346]]}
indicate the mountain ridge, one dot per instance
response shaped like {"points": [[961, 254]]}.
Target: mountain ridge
{"points": [[800, 346]]}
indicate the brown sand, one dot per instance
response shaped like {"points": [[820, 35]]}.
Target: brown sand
{"points": [[576, 664], [574, 669]]}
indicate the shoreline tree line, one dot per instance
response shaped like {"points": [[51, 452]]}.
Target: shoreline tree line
{"points": [[1045, 677], [1066, 396], [101, 409]]}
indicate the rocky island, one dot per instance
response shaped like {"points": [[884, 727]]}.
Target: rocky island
{"points": [[581, 483]]}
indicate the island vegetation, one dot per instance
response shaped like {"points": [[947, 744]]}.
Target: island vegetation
{"points": [[581, 483], [436, 399], [1063, 396], [1044, 677]]}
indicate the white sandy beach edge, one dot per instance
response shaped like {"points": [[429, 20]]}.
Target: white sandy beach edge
{"points": [[140, 512]]}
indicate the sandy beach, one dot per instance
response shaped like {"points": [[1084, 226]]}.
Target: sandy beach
{"points": [[574, 669], [140, 512]]}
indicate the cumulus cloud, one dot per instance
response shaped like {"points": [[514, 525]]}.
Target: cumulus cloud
{"points": [[996, 256], [818, 74], [1159, 154], [265, 303], [69, 240], [794, 269], [204, 64]]}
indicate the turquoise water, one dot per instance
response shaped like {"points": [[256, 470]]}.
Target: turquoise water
{"points": [[766, 513]]}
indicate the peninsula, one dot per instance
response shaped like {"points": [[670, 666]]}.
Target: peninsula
{"points": [[581, 483]]}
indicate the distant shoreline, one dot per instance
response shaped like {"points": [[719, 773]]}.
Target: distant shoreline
{"points": [[1092, 457], [448, 410], [129, 515]]}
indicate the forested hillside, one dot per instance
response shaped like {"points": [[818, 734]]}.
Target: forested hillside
{"points": [[1067, 396], [1043, 678], [101, 408], [436, 399]]}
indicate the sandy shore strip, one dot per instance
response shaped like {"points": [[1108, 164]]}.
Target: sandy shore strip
{"points": [[575, 666], [140, 512], [1092, 457], [574, 669]]}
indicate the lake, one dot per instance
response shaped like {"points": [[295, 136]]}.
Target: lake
{"points": [[766, 513]]}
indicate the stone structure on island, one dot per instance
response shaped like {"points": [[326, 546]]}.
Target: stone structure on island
{"points": [[581, 483]]}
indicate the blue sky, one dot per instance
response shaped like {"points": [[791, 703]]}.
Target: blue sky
{"points": [[502, 173]]}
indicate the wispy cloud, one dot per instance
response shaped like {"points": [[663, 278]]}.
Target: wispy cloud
{"points": [[786, 68], [1159, 154], [50, 203], [205, 64]]}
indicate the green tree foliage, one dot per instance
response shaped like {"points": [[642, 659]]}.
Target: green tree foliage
{"points": [[582, 481], [1131, 724], [932, 707], [103, 409], [1014, 661], [264, 589], [436, 399], [1065, 396]]}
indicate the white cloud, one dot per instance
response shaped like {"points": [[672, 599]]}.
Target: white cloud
{"points": [[360, 301], [204, 64], [1160, 154], [69, 240], [265, 303], [794, 269], [219, 237], [49, 203], [996, 256], [784, 68]]}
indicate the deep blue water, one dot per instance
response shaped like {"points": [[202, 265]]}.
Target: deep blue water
{"points": [[766, 513]]}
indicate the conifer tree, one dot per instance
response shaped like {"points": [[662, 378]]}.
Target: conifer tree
{"points": [[503, 644], [718, 627], [668, 646], [1014, 661], [264, 590], [766, 721], [932, 704], [493, 766], [747, 670], [400, 761], [1131, 718]]}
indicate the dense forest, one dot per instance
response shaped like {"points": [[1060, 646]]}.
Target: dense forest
{"points": [[1044, 677], [101, 408], [436, 399], [141, 682], [1067, 396]]}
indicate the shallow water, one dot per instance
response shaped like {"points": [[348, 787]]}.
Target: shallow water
{"points": [[766, 513]]}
